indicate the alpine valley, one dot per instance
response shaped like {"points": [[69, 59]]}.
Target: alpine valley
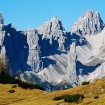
{"points": [[51, 55]]}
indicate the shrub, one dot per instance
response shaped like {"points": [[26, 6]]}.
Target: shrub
{"points": [[73, 98], [95, 97], [58, 98], [26, 85], [14, 86], [70, 98], [85, 83], [11, 91], [5, 78]]}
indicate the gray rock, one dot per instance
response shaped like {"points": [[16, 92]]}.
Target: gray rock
{"points": [[54, 31], [90, 23], [1, 19], [50, 55]]}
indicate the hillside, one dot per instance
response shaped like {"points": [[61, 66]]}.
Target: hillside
{"points": [[38, 97]]}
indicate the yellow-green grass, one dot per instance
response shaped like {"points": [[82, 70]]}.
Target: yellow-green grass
{"points": [[38, 97]]}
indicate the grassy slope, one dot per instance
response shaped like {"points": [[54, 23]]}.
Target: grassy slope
{"points": [[38, 97]]}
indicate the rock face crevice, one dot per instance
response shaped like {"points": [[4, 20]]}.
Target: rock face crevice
{"points": [[16, 48], [50, 54]]}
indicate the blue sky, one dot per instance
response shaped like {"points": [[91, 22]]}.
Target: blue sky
{"points": [[25, 14]]}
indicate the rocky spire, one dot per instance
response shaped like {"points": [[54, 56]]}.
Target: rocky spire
{"points": [[53, 31], [56, 24], [52, 25], [89, 23], [71, 69]]}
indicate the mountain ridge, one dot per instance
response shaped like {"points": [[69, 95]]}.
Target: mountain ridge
{"points": [[50, 54]]}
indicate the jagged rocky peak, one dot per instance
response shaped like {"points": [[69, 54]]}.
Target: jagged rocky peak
{"points": [[1, 19], [53, 31], [52, 25], [89, 23], [56, 24]]}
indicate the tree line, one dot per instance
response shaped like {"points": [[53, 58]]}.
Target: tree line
{"points": [[6, 78]]}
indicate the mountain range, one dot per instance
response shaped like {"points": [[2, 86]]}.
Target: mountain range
{"points": [[51, 55]]}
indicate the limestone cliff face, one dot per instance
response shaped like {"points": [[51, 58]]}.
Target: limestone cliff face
{"points": [[34, 59], [52, 55], [71, 69], [53, 31], [2, 35], [90, 23], [15, 47]]}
